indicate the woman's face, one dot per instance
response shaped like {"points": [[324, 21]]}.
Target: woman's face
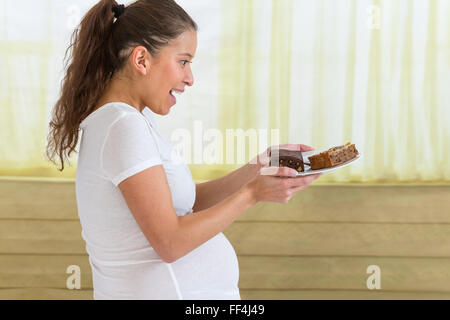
{"points": [[169, 72]]}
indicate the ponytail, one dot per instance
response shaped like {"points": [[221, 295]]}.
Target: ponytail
{"points": [[95, 53]]}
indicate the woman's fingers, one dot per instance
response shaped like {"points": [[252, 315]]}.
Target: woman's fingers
{"points": [[304, 148], [304, 181], [279, 171], [294, 147], [288, 146], [279, 184]]}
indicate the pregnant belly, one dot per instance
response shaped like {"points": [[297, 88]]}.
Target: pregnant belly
{"points": [[211, 268]]}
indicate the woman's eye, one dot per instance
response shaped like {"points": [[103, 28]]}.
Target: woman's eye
{"points": [[183, 62]]}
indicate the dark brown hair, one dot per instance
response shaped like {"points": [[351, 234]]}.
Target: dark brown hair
{"points": [[99, 47]]}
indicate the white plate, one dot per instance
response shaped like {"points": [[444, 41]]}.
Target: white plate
{"points": [[308, 170]]}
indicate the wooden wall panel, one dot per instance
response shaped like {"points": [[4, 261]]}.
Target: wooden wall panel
{"points": [[340, 295], [45, 294], [323, 203], [343, 273], [38, 200], [259, 238], [316, 247], [42, 271], [343, 239], [256, 273], [64, 294], [397, 204]]}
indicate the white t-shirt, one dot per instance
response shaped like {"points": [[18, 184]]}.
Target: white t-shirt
{"points": [[117, 142]]}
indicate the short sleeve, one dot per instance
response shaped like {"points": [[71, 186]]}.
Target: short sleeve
{"points": [[129, 147]]}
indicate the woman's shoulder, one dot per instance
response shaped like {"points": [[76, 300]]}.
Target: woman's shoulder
{"points": [[108, 113]]}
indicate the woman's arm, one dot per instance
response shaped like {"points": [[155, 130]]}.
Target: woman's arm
{"points": [[148, 197], [212, 192]]}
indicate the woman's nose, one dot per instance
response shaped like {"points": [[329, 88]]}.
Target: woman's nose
{"points": [[189, 79]]}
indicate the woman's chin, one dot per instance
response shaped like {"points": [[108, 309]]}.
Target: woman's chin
{"points": [[167, 110]]}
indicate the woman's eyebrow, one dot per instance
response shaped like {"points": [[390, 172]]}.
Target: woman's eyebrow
{"points": [[186, 54]]}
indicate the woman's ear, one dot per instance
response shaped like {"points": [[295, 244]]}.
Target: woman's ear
{"points": [[140, 60]]}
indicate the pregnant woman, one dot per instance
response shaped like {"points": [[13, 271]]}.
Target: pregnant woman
{"points": [[150, 231]]}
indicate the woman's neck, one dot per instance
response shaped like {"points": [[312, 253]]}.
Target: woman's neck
{"points": [[119, 91]]}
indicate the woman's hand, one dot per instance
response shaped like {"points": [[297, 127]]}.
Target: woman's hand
{"points": [[278, 184], [275, 184]]}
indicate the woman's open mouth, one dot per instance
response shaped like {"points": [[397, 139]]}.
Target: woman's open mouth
{"points": [[174, 92]]}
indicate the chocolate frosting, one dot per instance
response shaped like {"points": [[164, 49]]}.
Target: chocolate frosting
{"points": [[287, 158]]}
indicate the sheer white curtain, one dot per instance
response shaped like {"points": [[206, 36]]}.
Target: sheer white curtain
{"points": [[33, 38], [374, 72]]}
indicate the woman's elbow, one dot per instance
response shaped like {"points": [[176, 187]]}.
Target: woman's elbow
{"points": [[169, 253], [168, 257]]}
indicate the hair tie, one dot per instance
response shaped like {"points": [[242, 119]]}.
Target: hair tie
{"points": [[118, 10]]}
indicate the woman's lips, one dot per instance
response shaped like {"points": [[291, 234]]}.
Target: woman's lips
{"points": [[174, 100], [173, 92]]}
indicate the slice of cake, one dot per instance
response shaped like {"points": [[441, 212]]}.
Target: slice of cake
{"points": [[333, 156], [287, 158]]}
